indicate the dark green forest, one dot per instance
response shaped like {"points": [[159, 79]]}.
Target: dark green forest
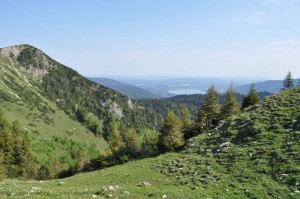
{"points": [[192, 102]]}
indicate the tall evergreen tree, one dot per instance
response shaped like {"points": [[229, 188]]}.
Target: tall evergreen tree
{"points": [[82, 160], [116, 142], [132, 143], [8, 147], [186, 122], [251, 98], [211, 107], [230, 106], [2, 166], [16, 128], [54, 167], [200, 123], [149, 143], [288, 81], [171, 136], [25, 159]]}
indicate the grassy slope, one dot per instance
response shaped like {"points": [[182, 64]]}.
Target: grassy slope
{"points": [[62, 125], [261, 161], [20, 87]]}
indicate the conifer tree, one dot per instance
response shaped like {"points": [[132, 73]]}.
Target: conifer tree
{"points": [[8, 147], [149, 143], [116, 142], [16, 128], [2, 166], [2, 120], [171, 136], [200, 123], [288, 81], [25, 159], [132, 143], [82, 160], [211, 107], [230, 106], [18, 154], [186, 122], [54, 167], [251, 98]]}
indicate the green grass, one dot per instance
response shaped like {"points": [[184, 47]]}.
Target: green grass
{"points": [[62, 126], [252, 155], [216, 182], [52, 133]]}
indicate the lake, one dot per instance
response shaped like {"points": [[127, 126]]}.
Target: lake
{"points": [[187, 91]]}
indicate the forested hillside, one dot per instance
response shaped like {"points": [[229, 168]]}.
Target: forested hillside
{"points": [[192, 102], [66, 118]]}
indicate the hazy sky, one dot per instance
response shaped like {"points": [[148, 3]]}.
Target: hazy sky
{"points": [[206, 38]]}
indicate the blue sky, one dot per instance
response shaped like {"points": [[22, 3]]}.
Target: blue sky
{"points": [[252, 39]]}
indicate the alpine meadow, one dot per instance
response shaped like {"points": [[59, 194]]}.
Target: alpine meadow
{"points": [[150, 99]]}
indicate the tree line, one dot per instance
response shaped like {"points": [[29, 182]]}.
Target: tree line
{"points": [[15, 157], [176, 129], [126, 145]]}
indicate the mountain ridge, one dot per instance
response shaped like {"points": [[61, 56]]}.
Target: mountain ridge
{"points": [[124, 88], [272, 86], [37, 63], [61, 112]]}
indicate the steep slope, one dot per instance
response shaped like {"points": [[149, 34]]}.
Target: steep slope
{"points": [[124, 88], [272, 86], [69, 90], [61, 112], [252, 155]]}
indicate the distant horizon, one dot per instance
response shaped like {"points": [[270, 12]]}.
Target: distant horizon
{"points": [[119, 77]]}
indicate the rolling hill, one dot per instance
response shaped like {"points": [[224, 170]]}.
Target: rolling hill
{"points": [[124, 88], [271, 86], [254, 154]]}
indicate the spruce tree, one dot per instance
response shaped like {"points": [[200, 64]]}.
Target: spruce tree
{"points": [[186, 122], [171, 136], [251, 98], [54, 167], [16, 128], [288, 81], [2, 166], [25, 159], [230, 106], [132, 143], [83, 160], [149, 143], [116, 142], [200, 123], [211, 107], [9, 147]]}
